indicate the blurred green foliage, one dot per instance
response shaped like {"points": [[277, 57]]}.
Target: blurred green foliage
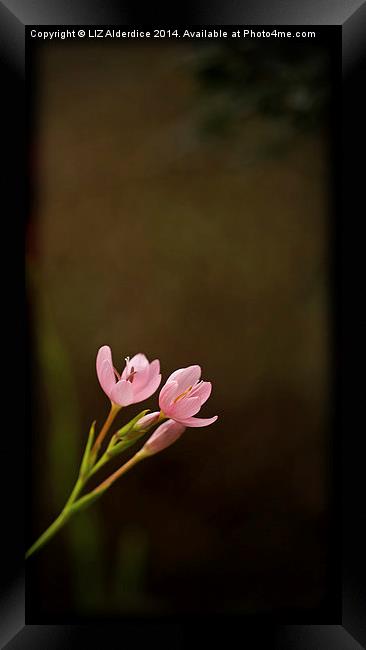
{"points": [[130, 567], [83, 533], [239, 79]]}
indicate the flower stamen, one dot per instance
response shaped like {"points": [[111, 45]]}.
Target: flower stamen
{"points": [[116, 373], [131, 375], [182, 395]]}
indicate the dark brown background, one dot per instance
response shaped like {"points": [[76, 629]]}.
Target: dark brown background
{"points": [[154, 236]]}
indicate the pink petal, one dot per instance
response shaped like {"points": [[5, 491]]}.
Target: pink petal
{"points": [[122, 393], [106, 377], [154, 368], [202, 390], [185, 408], [140, 379], [185, 377], [198, 422], [167, 395], [146, 391], [139, 361], [164, 436], [104, 354]]}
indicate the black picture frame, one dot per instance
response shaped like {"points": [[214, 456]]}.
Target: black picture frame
{"points": [[348, 629]]}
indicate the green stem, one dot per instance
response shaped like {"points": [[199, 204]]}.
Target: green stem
{"points": [[104, 430], [60, 521], [102, 461], [49, 533], [76, 491], [86, 472], [73, 506], [122, 470]]}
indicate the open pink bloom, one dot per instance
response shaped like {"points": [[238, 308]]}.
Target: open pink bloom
{"points": [[163, 437], [139, 379], [183, 395]]}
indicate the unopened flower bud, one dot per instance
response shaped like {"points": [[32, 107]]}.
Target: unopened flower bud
{"points": [[147, 421], [163, 437]]}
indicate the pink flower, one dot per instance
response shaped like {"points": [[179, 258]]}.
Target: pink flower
{"points": [[139, 379], [183, 395], [163, 437]]}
